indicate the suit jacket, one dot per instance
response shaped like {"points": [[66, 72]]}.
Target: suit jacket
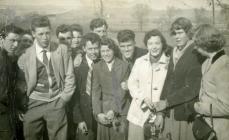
{"points": [[107, 93], [215, 90], [62, 66], [82, 106], [182, 84]]}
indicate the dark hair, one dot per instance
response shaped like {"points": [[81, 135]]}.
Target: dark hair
{"points": [[27, 31], [63, 28], [76, 27], [209, 38], [11, 28], [182, 23], [40, 21], [111, 45], [93, 37], [97, 22], [155, 32], [125, 35]]}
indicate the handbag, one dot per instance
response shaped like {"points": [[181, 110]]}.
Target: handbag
{"points": [[202, 130]]}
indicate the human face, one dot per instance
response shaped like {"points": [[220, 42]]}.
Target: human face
{"points": [[11, 43], [92, 50], [42, 35], [181, 38], [76, 38], [127, 48], [26, 41], [101, 31], [155, 46], [65, 38], [107, 54]]}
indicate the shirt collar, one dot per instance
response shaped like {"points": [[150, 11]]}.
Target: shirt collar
{"points": [[89, 61], [39, 49], [163, 59]]}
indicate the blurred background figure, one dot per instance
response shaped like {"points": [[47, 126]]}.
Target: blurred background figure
{"points": [[215, 80], [99, 26], [25, 42]]}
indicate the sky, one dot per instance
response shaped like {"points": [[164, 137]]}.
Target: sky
{"points": [[155, 4]]}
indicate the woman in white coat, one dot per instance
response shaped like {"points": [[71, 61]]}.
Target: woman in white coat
{"points": [[145, 84], [215, 80]]}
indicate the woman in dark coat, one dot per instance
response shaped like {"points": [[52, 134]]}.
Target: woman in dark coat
{"points": [[110, 98]]}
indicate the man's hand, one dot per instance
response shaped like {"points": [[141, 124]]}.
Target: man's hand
{"points": [[102, 118], [124, 85], [110, 115], [82, 127], [161, 105]]}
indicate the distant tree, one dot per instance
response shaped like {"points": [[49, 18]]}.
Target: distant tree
{"points": [[141, 11], [201, 16]]}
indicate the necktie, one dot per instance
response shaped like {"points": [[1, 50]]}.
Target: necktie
{"points": [[89, 81], [45, 58]]}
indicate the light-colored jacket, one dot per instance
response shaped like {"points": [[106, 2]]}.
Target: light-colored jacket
{"points": [[62, 66], [215, 90], [146, 80]]}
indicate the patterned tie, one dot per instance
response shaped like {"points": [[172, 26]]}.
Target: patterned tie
{"points": [[89, 81], [45, 58]]}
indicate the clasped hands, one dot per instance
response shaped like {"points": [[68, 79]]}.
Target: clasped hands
{"points": [[109, 118], [155, 106]]}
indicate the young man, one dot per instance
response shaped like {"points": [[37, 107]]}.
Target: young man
{"points": [[82, 113], [99, 26], [182, 84], [50, 82], [10, 35], [64, 35], [129, 51]]}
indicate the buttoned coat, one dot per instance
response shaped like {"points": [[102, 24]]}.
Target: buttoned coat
{"points": [[215, 90], [62, 66], [145, 81]]}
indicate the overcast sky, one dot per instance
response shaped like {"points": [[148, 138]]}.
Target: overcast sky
{"points": [[155, 4]]}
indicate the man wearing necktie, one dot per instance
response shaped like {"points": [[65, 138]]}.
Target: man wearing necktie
{"points": [[82, 110], [50, 80]]}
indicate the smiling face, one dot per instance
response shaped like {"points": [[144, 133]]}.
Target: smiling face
{"points": [[76, 38], [92, 50], [155, 46], [11, 43], [127, 48], [107, 54], [181, 38], [42, 35]]}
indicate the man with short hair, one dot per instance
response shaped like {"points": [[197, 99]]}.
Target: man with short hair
{"points": [[83, 114], [10, 35], [127, 46], [99, 26], [64, 34], [50, 79]]}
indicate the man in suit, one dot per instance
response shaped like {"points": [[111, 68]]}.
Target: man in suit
{"points": [[50, 80], [64, 34], [9, 72], [82, 113], [182, 84], [129, 51]]}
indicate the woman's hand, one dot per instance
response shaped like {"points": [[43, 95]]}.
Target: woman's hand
{"points": [[147, 103], [102, 118]]}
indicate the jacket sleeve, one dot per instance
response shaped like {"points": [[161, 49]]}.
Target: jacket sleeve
{"points": [[220, 104], [133, 84], [96, 92], [189, 91], [77, 115], [69, 79]]}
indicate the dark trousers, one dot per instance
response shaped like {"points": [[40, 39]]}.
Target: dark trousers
{"points": [[49, 114], [6, 131]]}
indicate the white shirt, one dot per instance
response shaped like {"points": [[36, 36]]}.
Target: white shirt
{"points": [[89, 62], [109, 65], [39, 51]]}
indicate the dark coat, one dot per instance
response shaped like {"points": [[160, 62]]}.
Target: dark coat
{"points": [[181, 88], [82, 106]]}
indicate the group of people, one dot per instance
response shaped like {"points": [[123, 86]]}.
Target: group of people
{"points": [[91, 87]]}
